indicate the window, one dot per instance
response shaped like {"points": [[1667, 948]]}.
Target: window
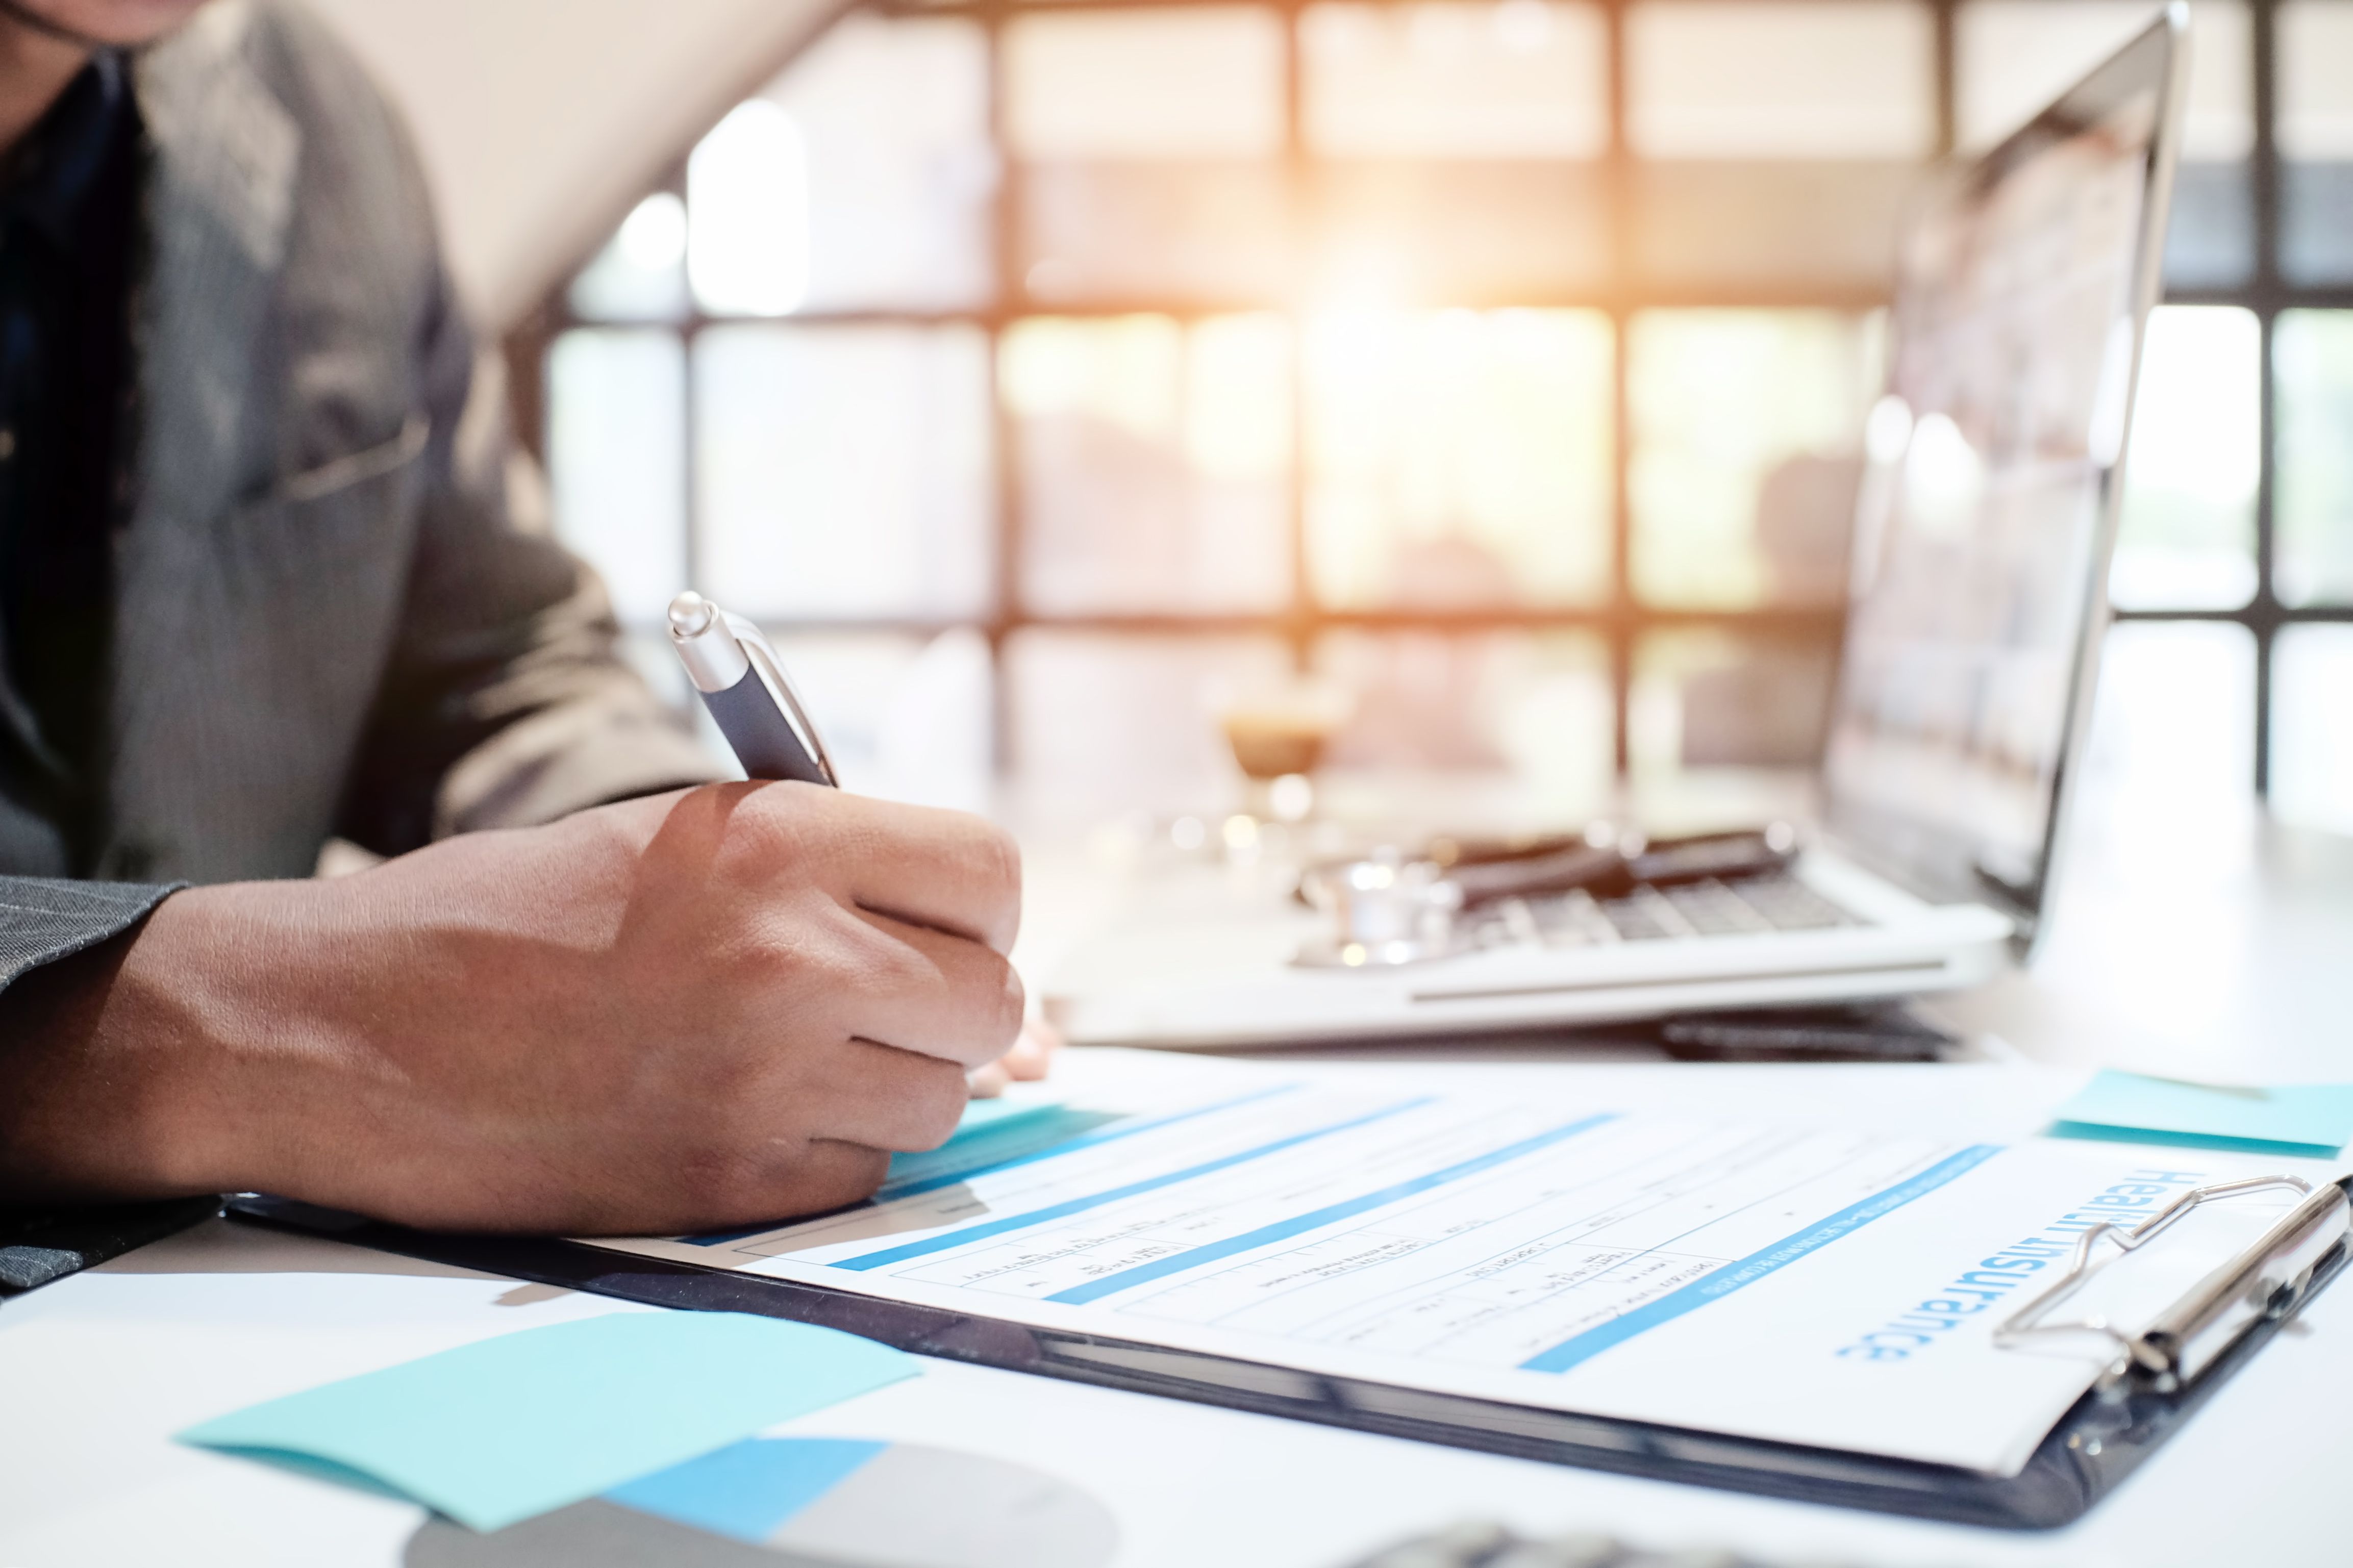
{"points": [[1502, 364]]}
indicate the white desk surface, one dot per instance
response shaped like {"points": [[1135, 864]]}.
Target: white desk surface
{"points": [[2249, 982]]}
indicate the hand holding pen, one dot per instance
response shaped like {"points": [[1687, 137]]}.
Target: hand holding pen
{"points": [[743, 686]]}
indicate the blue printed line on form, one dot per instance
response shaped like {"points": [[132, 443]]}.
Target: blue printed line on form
{"points": [[988, 1228], [1756, 1265], [1072, 1146], [1069, 1146], [1284, 1230]]}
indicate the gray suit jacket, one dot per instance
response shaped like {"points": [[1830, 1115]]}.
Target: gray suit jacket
{"points": [[329, 618]]}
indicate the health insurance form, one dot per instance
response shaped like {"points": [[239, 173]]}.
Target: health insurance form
{"points": [[1834, 1288]]}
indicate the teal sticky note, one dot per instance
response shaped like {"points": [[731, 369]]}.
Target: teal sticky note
{"points": [[994, 1132], [1001, 1115], [506, 1428], [2314, 1118]]}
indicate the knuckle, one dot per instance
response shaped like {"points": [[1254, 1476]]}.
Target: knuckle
{"points": [[807, 949], [725, 1086], [1000, 866], [939, 1106], [988, 1000], [1011, 1002], [788, 824], [774, 958], [878, 963]]}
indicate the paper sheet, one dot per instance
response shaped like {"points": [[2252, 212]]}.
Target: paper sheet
{"points": [[1830, 1285], [2314, 1118], [505, 1428]]}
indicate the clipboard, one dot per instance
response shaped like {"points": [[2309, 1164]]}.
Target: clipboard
{"points": [[2158, 1379]]}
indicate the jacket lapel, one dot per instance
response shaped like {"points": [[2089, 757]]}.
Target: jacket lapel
{"points": [[220, 188]]}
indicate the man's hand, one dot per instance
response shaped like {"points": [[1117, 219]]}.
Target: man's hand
{"points": [[694, 1010], [1031, 1059]]}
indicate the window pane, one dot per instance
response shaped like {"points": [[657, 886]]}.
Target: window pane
{"points": [[1195, 83], [843, 472], [2311, 726], [905, 718], [2015, 56], [748, 214], [1747, 425], [1522, 78], [2316, 138], [1812, 225], [654, 657], [1847, 80], [640, 275], [2188, 538], [2312, 360], [1125, 231], [1780, 139], [1708, 699], [1103, 722], [1465, 233], [1459, 459], [1154, 462], [617, 462], [893, 119], [1537, 704], [2209, 238], [2172, 751], [2316, 81]]}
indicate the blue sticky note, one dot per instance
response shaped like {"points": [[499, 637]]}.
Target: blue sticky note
{"points": [[2314, 1118], [746, 1489], [506, 1428]]}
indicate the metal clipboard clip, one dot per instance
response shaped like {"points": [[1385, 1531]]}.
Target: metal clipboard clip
{"points": [[2267, 1281]]}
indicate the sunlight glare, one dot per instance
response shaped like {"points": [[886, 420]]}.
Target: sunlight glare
{"points": [[748, 214]]}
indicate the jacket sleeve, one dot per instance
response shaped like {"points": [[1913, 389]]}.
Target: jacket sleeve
{"points": [[506, 702], [43, 920]]}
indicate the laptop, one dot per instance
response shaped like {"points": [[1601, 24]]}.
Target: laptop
{"points": [[1977, 605]]}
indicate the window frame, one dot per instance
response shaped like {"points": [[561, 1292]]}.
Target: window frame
{"points": [[1622, 622]]}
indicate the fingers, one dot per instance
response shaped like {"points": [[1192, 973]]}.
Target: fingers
{"points": [[922, 990], [887, 1099], [825, 1174], [832, 1175], [1032, 1055], [795, 1148], [944, 869], [1031, 1059], [684, 1196]]}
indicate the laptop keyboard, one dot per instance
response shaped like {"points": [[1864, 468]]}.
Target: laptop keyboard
{"points": [[1775, 902]]}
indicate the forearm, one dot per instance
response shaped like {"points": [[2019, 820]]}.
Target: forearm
{"points": [[695, 1010], [118, 1081]]}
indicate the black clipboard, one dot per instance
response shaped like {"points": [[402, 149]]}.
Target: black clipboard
{"points": [[2095, 1446]]}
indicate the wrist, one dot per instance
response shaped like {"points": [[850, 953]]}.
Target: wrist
{"points": [[144, 1067]]}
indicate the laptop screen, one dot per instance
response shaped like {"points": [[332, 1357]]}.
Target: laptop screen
{"points": [[1982, 536]]}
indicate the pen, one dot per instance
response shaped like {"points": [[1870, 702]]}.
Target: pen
{"points": [[742, 681]]}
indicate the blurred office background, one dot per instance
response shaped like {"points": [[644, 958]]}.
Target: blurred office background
{"points": [[1044, 373]]}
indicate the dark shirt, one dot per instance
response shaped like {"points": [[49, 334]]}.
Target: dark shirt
{"points": [[68, 195]]}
